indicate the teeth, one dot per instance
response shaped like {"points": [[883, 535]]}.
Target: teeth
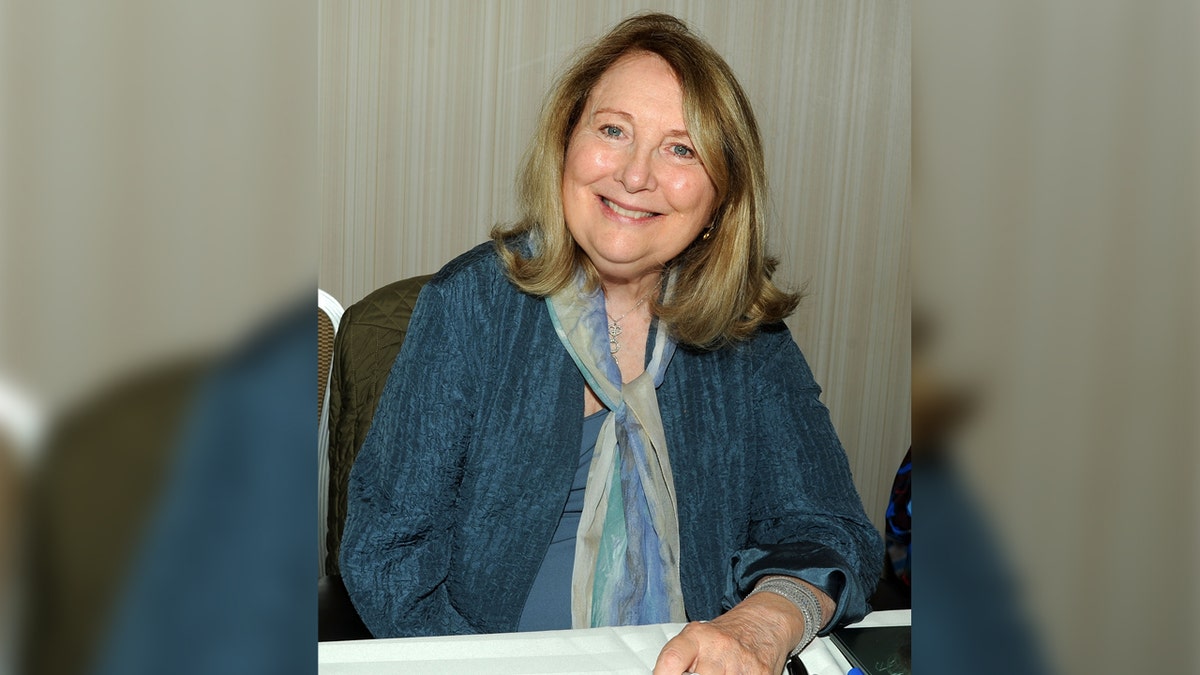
{"points": [[626, 212]]}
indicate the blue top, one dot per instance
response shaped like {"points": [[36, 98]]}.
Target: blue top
{"points": [[548, 606], [460, 483]]}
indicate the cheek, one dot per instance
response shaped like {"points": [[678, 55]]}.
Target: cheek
{"points": [[587, 162], [690, 192]]}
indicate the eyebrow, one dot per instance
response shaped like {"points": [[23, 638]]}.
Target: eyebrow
{"points": [[621, 113]]}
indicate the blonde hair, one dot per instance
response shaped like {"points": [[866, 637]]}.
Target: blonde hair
{"points": [[723, 289]]}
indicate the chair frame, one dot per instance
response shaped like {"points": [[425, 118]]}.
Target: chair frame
{"points": [[329, 305]]}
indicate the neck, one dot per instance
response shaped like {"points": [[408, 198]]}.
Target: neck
{"points": [[619, 296]]}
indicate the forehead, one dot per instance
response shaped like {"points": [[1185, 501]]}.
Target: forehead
{"points": [[640, 84]]}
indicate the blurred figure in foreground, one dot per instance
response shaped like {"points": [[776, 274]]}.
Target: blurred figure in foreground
{"points": [[223, 580], [101, 473], [174, 517], [970, 613]]}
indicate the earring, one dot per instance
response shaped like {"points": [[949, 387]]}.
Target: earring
{"points": [[707, 232]]}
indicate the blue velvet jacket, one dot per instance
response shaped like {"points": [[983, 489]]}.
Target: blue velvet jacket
{"points": [[461, 480]]}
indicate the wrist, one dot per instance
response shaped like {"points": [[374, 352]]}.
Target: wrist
{"points": [[768, 622], [801, 600]]}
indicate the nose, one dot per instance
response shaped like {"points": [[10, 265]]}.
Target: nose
{"points": [[635, 170]]}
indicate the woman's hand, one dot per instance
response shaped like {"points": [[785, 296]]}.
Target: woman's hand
{"points": [[753, 638]]}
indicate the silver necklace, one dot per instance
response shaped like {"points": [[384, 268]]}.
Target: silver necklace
{"points": [[614, 325]]}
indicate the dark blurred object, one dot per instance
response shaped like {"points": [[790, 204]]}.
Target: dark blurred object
{"points": [[894, 590], [222, 583], [100, 476], [890, 592], [336, 617], [899, 524], [368, 339]]}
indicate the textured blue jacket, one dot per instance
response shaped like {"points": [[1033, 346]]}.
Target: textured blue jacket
{"points": [[461, 480]]}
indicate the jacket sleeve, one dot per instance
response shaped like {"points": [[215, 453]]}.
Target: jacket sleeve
{"points": [[401, 504], [807, 520]]}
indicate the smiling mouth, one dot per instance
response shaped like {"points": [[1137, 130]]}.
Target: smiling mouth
{"points": [[622, 211]]}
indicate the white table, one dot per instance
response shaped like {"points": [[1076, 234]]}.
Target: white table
{"points": [[631, 649]]}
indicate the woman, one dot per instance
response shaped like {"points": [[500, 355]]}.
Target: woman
{"points": [[599, 419]]}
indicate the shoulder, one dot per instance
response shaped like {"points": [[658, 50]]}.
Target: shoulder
{"points": [[474, 276], [479, 263], [769, 354], [767, 342], [474, 289], [483, 264]]}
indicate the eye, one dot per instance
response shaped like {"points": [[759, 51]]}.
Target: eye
{"points": [[682, 151], [610, 131]]}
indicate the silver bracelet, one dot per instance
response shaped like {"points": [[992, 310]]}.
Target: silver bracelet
{"points": [[804, 599]]}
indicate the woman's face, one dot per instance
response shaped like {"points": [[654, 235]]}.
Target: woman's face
{"points": [[634, 193]]}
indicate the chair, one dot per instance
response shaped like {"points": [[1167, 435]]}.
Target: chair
{"points": [[367, 342], [329, 316]]}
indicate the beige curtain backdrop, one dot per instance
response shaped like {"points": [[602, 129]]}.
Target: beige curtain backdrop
{"points": [[425, 109]]}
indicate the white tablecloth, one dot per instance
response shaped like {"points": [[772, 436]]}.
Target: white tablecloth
{"points": [[631, 649]]}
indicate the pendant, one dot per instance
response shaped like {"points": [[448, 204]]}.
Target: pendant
{"points": [[613, 331]]}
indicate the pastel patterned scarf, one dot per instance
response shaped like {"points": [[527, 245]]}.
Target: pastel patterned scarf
{"points": [[627, 547]]}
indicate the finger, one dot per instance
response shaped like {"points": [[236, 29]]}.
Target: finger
{"points": [[677, 656]]}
